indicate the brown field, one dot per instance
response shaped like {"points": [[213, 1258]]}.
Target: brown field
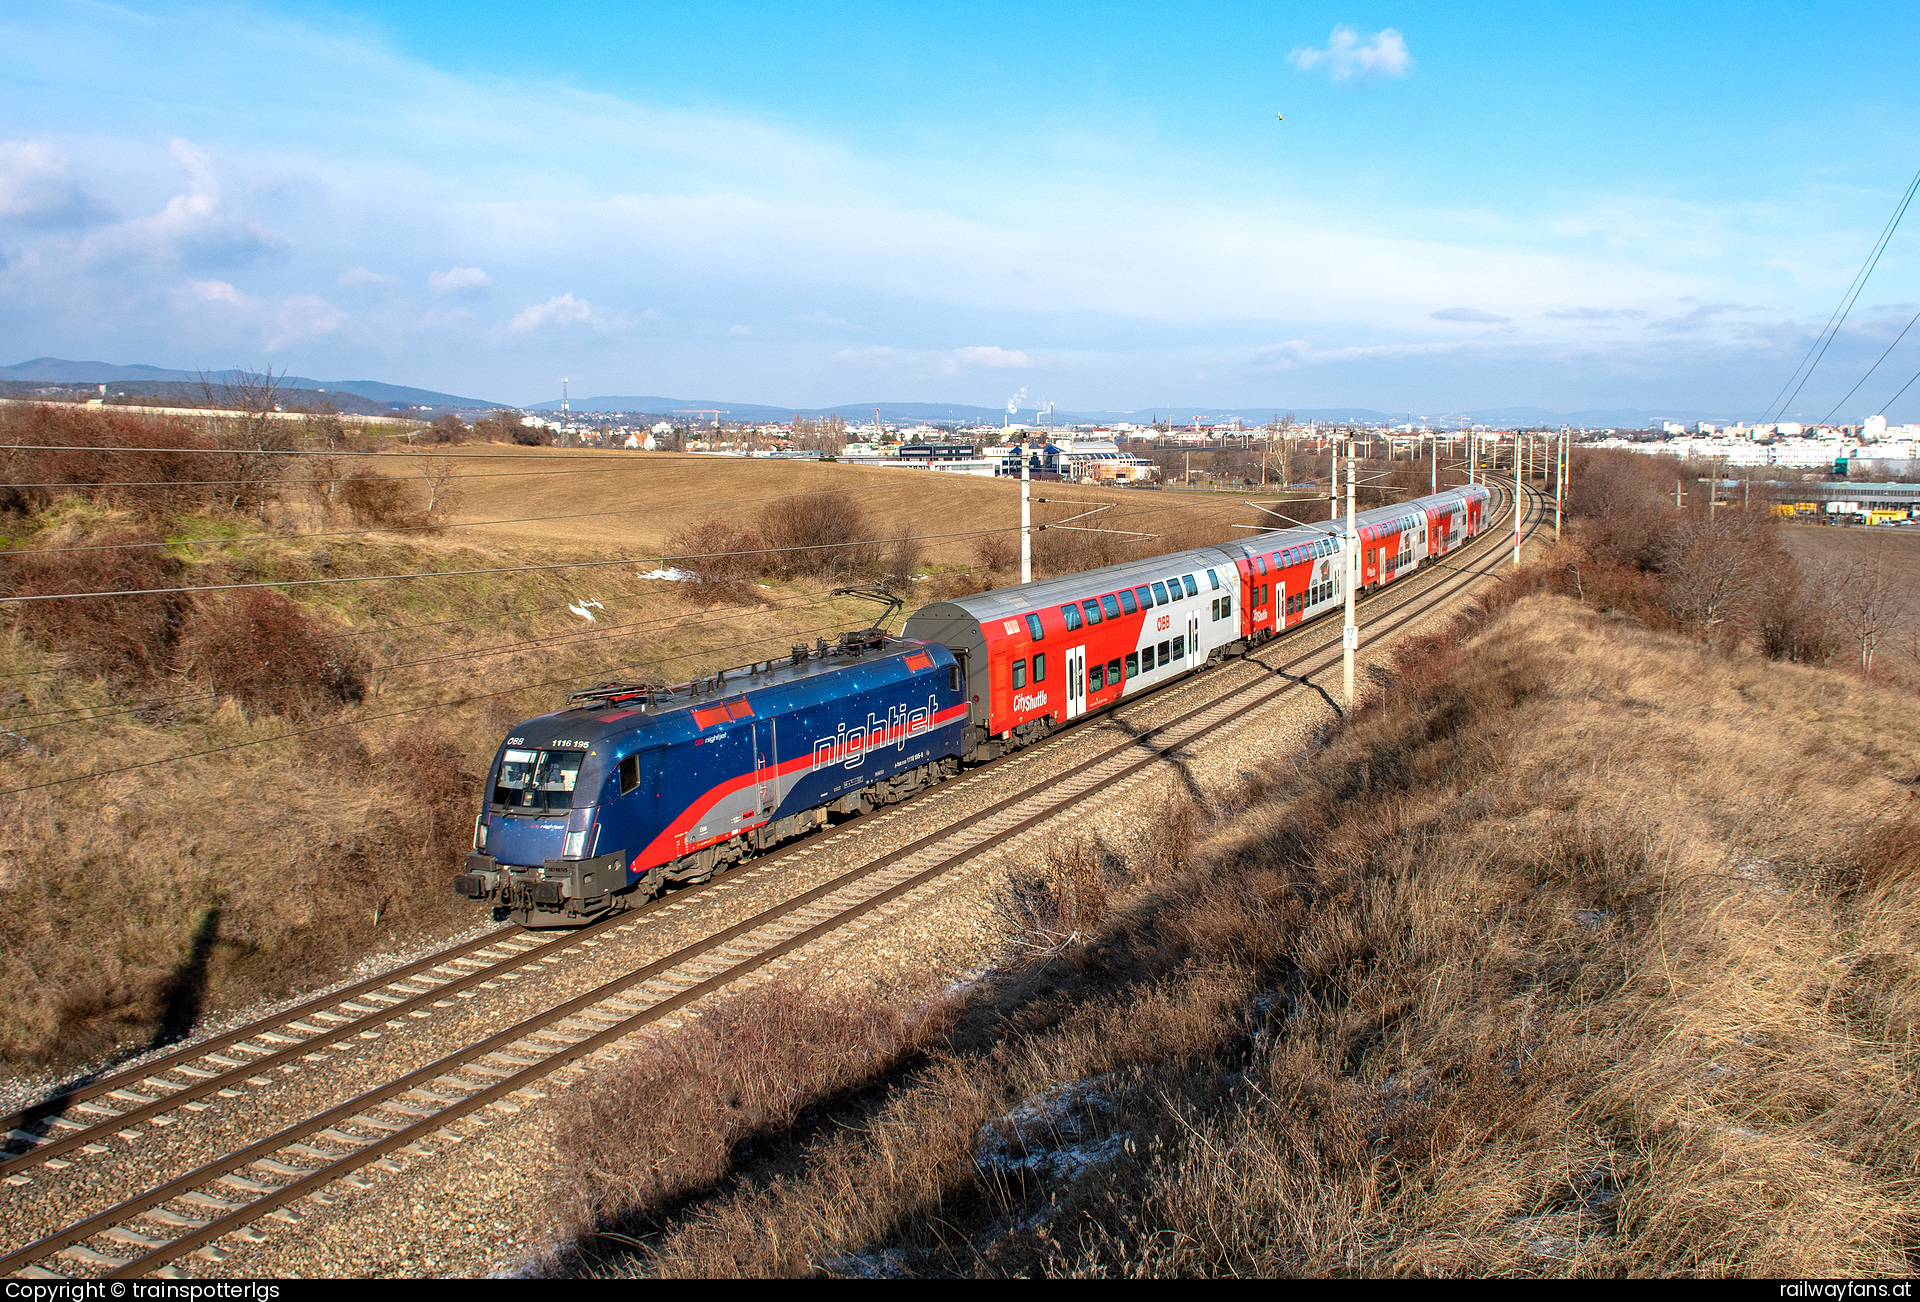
{"points": [[1585, 950], [668, 491]]}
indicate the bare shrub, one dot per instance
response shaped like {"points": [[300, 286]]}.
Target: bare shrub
{"points": [[530, 436], [271, 656], [675, 1116], [998, 552], [904, 560], [125, 638], [160, 477], [499, 427], [1057, 903], [252, 433], [820, 533], [324, 427], [448, 429], [376, 500], [715, 550]]}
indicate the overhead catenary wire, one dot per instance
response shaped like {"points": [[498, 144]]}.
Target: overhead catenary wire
{"points": [[405, 528], [375, 718], [72, 715], [1827, 334]]}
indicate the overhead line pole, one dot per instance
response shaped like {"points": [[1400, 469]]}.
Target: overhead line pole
{"points": [[1350, 632], [1026, 519], [1516, 498]]}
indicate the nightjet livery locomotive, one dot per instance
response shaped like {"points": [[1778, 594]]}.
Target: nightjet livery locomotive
{"points": [[635, 786]]}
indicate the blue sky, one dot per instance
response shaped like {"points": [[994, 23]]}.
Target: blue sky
{"points": [[1465, 207]]}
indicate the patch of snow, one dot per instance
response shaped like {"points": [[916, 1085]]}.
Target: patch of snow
{"points": [[585, 608], [672, 574]]}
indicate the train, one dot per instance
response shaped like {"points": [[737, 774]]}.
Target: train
{"points": [[632, 787]]}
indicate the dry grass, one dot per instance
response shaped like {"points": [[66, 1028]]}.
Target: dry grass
{"points": [[1586, 950]]}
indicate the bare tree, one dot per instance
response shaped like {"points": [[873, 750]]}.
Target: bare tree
{"points": [[1708, 567], [437, 473], [323, 426], [245, 421], [1871, 606]]}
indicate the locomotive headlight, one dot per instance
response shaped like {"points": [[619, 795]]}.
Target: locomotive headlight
{"points": [[576, 845], [480, 832]]}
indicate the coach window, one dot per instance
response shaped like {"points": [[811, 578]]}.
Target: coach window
{"points": [[1126, 601], [1214, 579], [1166, 654], [1146, 597], [1179, 647], [1040, 668], [1111, 606], [1193, 589], [1019, 673], [1173, 587], [1160, 593], [1033, 628], [1113, 673], [1093, 611], [1226, 606], [1259, 565], [1096, 678], [1133, 664], [1072, 615]]}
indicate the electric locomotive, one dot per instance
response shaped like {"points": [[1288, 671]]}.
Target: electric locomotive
{"points": [[633, 786]]}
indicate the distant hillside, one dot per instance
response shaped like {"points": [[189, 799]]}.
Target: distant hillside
{"points": [[162, 382]]}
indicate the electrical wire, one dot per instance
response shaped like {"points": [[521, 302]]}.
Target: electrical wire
{"points": [[573, 635], [1871, 369], [408, 528], [1831, 330], [345, 723]]}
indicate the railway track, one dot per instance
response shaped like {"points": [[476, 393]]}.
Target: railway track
{"points": [[411, 1113]]}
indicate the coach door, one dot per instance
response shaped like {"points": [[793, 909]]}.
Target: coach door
{"points": [[1193, 642], [1076, 682]]}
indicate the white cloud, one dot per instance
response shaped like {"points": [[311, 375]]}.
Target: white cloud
{"points": [[991, 355], [455, 280], [1348, 57], [361, 276], [930, 362], [564, 310], [219, 291], [1470, 315], [302, 316], [738, 331]]}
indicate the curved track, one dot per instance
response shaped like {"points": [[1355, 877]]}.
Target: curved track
{"points": [[189, 1212]]}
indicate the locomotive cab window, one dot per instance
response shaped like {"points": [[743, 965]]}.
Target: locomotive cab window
{"points": [[537, 780], [629, 773], [1019, 673], [953, 678]]}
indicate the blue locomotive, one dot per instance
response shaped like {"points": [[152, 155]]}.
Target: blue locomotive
{"points": [[635, 786]]}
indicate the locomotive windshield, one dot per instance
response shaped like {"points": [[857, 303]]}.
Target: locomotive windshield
{"points": [[537, 779]]}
